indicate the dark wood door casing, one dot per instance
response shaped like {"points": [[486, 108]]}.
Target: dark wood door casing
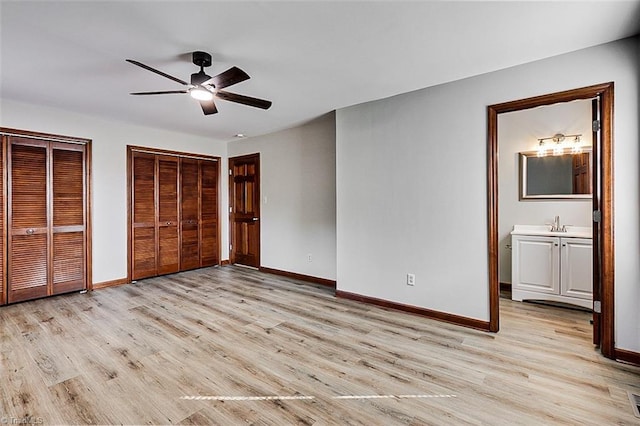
{"points": [[602, 173], [244, 215], [46, 185], [173, 211]]}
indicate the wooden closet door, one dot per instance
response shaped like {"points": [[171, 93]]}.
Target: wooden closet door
{"points": [[168, 239], [3, 281], [28, 222], [189, 206], [144, 215], [209, 213], [69, 218]]}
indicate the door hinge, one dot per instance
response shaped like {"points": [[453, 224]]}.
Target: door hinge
{"points": [[595, 125], [230, 172], [230, 247], [230, 209], [597, 307], [597, 216]]}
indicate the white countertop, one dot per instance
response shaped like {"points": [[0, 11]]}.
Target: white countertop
{"points": [[545, 230]]}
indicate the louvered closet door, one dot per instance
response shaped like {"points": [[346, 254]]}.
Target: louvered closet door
{"points": [[168, 240], [3, 292], [28, 224], [189, 192], [209, 213], [144, 216], [68, 216]]}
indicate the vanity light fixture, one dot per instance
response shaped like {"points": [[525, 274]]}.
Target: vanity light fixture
{"points": [[557, 144]]}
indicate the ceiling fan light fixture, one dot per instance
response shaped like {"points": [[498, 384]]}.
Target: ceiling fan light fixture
{"points": [[201, 94]]}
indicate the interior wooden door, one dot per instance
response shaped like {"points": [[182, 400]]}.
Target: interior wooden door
{"points": [[143, 215], [69, 218], [189, 213], [28, 260], [3, 281], [209, 252], [244, 197], [168, 235], [581, 173]]}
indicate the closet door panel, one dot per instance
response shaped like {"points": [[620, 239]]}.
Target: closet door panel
{"points": [[28, 236], [189, 191], [144, 216], [168, 239], [209, 213], [68, 217], [3, 293]]}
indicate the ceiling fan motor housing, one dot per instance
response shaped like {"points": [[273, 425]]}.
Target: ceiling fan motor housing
{"points": [[202, 59]]}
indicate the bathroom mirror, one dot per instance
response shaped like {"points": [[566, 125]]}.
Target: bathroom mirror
{"points": [[566, 176]]}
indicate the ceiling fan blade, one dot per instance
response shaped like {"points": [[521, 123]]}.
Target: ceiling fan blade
{"points": [[228, 78], [148, 68], [245, 100], [208, 107], [164, 92]]}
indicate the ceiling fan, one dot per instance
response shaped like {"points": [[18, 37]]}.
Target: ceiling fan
{"points": [[204, 88]]}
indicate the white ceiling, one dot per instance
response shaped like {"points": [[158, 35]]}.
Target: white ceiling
{"points": [[308, 57]]}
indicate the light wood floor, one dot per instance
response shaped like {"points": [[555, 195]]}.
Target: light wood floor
{"points": [[169, 349]]}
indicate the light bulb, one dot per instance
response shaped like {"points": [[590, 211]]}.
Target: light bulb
{"points": [[558, 149], [201, 94], [541, 150]]}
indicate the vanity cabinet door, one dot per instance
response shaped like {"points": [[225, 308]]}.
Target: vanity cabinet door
{"points": [[535, 265], [576, 268]]}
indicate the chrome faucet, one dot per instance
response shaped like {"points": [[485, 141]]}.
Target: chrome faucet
{"points": [[555, 226]]}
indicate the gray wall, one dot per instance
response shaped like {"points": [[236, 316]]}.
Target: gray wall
{"points": [[412, 186], [109, 172], [298, 190]]}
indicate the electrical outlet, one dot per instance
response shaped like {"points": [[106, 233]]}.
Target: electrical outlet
{"points": [[309, 258], [411, 279]]}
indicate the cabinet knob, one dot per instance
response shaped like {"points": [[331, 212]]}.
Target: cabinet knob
{"points": [[556, 244], [30, 231], [168, 223]]}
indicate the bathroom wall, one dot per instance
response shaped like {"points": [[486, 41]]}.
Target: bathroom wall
{"points": [[517, 132]]}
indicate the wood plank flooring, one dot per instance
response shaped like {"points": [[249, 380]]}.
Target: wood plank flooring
{"points": [[232, 346]]}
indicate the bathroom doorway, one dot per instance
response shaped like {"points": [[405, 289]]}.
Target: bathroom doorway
{"points": [[602, 204]]}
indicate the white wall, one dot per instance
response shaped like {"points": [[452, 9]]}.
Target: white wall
{"points": [[298, 190], [412, 185], [517, 132], [109, 175]]}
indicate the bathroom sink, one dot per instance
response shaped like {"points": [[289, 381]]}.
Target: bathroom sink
{"points": [[545, 230]]}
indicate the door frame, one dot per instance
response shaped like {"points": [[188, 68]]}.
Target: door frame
{"points": [[5, 134], [131, 149], [603, 230], [255, 155]]}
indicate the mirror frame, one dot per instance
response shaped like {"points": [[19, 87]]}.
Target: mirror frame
{"points": [[523, 195]]}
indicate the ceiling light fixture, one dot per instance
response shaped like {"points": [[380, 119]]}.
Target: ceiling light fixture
{"points": [[240, 135], [201, 94]]}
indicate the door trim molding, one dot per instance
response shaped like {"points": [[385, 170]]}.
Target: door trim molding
{"points": [[232, 251], [88, 197], [131, 149], [605, 93]]}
